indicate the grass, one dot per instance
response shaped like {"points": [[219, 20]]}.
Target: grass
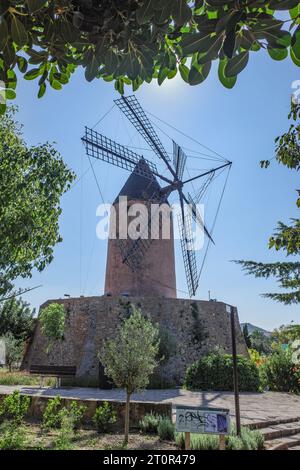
{"points": [[249, 440], [22, 378]]}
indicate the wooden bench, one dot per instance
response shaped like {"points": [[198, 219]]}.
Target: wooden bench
{"points": [[52, 371]]}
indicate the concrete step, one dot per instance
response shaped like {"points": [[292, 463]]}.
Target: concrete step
{"points": [[284, 443], [280, 430]]}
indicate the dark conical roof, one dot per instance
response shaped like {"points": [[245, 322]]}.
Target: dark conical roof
{"points": [[138, 185]]}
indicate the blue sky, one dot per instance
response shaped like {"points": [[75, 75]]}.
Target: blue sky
{"points": [[240, 124]]}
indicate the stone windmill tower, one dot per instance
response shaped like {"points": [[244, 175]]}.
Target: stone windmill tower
{"points": [[154, 274]]}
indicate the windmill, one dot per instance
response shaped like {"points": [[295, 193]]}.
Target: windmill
{"points": [[103, 148]]}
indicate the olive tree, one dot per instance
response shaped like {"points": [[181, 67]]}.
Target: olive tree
{"points": [[130, 358]]}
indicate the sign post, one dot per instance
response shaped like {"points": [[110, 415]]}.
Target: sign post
{"points": [[187, 440], [202, 420], [235, 373]]}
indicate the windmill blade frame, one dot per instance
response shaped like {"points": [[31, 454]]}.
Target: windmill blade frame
{"points": [[102, 148], [179, 160], [188, 254], [134, 112]]}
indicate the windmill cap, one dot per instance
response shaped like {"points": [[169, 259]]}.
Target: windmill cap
{"points": [[138, 185]]}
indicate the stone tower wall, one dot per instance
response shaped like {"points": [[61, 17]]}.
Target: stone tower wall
{"points": [[155, 275]]}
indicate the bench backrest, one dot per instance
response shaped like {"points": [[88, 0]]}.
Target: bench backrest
{"points": [[53, 370]]}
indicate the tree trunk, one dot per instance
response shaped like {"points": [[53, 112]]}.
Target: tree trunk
{"points": [[127, 418]]}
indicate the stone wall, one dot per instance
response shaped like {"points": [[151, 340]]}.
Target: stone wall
{"points": [[189, 328], [137, 409]]}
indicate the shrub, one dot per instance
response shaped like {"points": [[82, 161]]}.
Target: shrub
{"points": [[52, 416], [12, 437], [52, 319], [279, 373], [167, 345], [76, 413], [166, 429], [214, 372], [14, 407], [149, 423], [104, 417], [249, 440], [63, 441], [198, 441], [55, 414]]}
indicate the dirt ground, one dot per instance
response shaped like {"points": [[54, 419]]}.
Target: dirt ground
{"points": [[86, 439]]}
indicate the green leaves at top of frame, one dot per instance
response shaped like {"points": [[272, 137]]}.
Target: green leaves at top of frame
{"points": [[162, 10]]}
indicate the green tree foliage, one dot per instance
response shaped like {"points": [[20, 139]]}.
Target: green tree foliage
{"points": [[16, 317], [279, 373], [130, 358], [133, 41], [52, 319], [286, 237], [247, 336], [260, 342], [32, 180], [286, 334], [13, 350]]}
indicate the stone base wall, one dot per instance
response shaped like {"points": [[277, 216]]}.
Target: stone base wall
{"points": [[189, 329], [137, 409]]}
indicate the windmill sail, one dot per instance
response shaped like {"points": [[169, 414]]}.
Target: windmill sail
{"points": [[179, 160], [188, 252], [101, 147], [134, 112]]}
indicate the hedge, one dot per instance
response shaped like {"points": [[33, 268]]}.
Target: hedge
{"points": [[215, 372]]}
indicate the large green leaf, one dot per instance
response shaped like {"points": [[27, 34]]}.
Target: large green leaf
{"points": [[92, 68], [184, 72], [32, 74], [195, 42], [145, 12], [228, 82], [199, 74], [283, 4], [278, 54], [212, 50], [3, 32], [294, 58], [35, 5], [181, 12], [296, 43], [18, 32], [229, 43], [235, 65]]}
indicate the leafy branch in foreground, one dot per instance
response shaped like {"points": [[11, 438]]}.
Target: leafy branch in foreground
{"points": [[134, 41], [32, 181], [286, 237]]}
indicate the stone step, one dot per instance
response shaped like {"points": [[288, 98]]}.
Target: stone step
{"points": [[280, 430], [284, 443], [272, 422]]}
